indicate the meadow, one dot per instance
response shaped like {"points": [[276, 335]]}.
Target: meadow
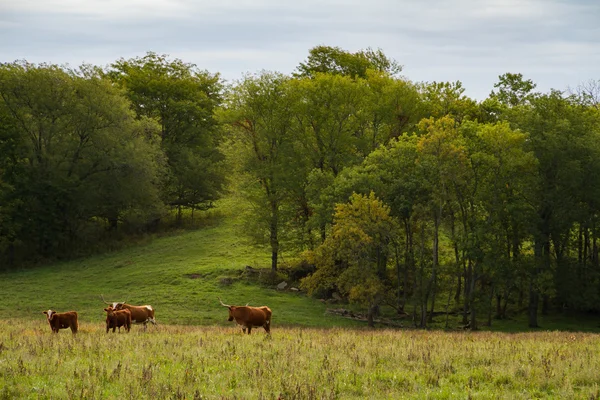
{"points": [[193, 362]]}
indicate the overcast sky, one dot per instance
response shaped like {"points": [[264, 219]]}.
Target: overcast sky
{"points": [[556, 43]]}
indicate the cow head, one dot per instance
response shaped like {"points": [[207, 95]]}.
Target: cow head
{"points": [[49, 314], [116, 305], [109, 311], [231, 308]]}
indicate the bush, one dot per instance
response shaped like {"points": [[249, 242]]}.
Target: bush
{"points": [[300, 270]]}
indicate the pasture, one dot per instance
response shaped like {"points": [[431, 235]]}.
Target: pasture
{"points": [[192, 362]]}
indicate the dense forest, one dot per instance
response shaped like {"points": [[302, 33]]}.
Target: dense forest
{"points": [[408, 195]]}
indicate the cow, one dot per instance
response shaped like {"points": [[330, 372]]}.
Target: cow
{"points": [[139, 314], [62, 320], [249, 317], [117, 319]]}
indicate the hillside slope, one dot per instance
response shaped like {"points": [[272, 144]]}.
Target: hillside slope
{"points": [[180, 275]]}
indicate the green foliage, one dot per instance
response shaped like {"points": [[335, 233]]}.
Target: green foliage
{"points": [[513, 90], [448, 99], [75, 154], [334, 60], [183, 100], [261, 147], [353, 259]]}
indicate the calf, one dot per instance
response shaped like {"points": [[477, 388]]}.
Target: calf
{"points": [[249, 317], [62, 320], [139, 314], [117, 319]]}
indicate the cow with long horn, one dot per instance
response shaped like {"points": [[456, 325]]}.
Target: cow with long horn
{"points": [[139, 314], [250, 317]]}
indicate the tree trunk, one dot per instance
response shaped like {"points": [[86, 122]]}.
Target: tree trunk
{"points": [[373, 310], [468, 278], [533, 306], [400, 295], [473, 319], [448, 306], [409, 262], [490, 306], [273, 235], [499, 306], [422, 291], [436, 242]]}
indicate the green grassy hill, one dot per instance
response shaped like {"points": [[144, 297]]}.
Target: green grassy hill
{"points": [[183, 274], [180, 275]]}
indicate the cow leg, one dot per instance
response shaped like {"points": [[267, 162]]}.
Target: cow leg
{"points": [[249, 329]]}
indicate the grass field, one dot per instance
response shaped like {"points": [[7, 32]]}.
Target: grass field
{"points": [[185, 362]]}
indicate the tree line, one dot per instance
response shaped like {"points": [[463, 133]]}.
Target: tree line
{"points": [[401, 194]]}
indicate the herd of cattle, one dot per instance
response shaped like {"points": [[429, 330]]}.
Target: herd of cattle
{"points": [[121, 314]]}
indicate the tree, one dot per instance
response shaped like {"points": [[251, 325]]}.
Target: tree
{"points": [[334, 60], [76, 154], [183, 100], [443, 160], [447, 99], [259, 112], [353, 260], [393, 173], [563, 136], [513, 90], [505, 176]]}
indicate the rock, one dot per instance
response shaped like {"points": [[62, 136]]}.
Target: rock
{"points": [[226, 281], [282, 285], [294, 289]]}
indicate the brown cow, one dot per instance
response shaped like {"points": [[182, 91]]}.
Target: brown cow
{"points": [[62, 320], [249, 317], [139, 314], [117, 319]]}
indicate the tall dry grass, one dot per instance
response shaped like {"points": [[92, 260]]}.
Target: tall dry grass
{"points": [[294, 363]]}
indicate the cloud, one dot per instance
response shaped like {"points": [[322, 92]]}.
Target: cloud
{"points": [[556, 43]]}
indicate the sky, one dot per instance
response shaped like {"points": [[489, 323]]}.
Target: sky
{"points": [[555, 43]]}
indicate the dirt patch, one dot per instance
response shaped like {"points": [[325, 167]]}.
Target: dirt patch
{"points": [[195, 276]]}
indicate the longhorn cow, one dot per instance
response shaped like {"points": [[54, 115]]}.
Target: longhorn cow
{"points": [[249, 317], [139, 314]]}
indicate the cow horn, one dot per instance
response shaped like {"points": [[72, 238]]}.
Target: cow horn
{"points": [[223, 304], [104, 300]]}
